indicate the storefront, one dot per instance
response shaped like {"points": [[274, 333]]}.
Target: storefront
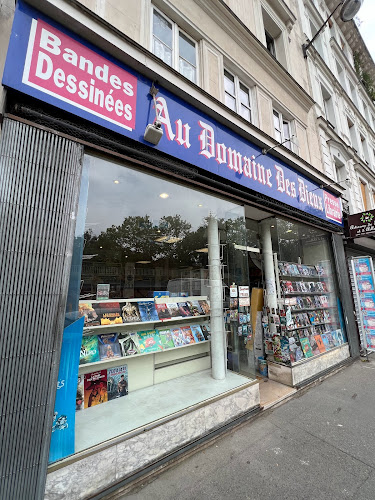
{"points": [[176, 273]]}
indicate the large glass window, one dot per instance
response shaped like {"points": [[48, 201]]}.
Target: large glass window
{"points": [[308, 320], [140, 278]]}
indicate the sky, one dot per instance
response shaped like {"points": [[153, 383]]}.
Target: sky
{"points": [[366, 16]]}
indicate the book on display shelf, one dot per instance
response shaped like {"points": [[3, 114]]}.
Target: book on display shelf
{"points": [[195, 308], [173, 309], [178, 337], [295, 349], [80, 394], [205, 306], [109, 346], [108, 313], [306, 347], [187, 333], [197, 333], [91, 318], [149, 341], [206, 330], [89, 350], [147, 310], [184, 309], [117, 382], [166, 339], [128, 343], [314, 345], [95, 388], [130, 312], [320, 343], [163, 311]]}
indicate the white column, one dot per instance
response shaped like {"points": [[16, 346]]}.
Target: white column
{"points": [[218, 347], [267, 255]]}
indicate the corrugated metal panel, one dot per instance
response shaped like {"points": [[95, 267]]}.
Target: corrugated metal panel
{"points": [[39, 185]]}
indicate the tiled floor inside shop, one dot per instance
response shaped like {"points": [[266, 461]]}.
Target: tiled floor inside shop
{"points": [[109, 420], [272, 392]]}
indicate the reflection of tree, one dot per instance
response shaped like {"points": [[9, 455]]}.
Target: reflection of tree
{"points": [[172, 244]]}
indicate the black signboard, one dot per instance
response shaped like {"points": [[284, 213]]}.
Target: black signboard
{"points": [[362, 224]]}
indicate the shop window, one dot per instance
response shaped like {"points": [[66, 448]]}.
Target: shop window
{"points": [[237, 95], [174, 46], [306, 320], [282, 129], [364, 195], [140, 278]]}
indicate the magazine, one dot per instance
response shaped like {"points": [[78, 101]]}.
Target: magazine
{"points": [[206, 331], [147, 311], [109, 347], [149, 341], [295, 350], [306, 347], [325, 341], [166, 339], [117, 382], [108, 313], [130, 312], [276, 347], [197, 333], [163, 311], [314, 345], [282, 270], [95, 388], [129, 344], [89, 350], [284, 347], [91, 318]]}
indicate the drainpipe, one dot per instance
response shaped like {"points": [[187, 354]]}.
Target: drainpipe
{"points": [[218, 347]]}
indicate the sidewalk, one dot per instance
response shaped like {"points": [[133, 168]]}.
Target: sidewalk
{"points": [[318, 445]]}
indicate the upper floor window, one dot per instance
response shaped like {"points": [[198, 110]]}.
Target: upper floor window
{"points": [[237, 95], [270, 44], [273, 36], [328, 105], [282, 128], [173, 46]]}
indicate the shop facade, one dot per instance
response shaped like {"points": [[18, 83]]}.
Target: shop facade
{"points": [[162, 273]]}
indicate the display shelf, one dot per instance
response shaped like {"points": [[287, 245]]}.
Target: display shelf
{"points": [[97, 330], [308, 326], [296, 311], [306, 360], [120, 359], [295, 294], [282, 276]]}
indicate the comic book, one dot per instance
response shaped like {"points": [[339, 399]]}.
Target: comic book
{"points": [[284, 348], [197, 333], [186, 331], [162, 311], [166, 339], [195, 308], [173, 310], [128, 344], [295, 350], [130, 312], [179, 339], [306, 347], [89, 350], [147, 310], [205, 306], [325, 341], [206, 330], [80, 394], [109, 347], [184, 309], [117, 382], [95, 388], [149, 341], [108, 313], [320, 343], [314, 345], [91, 318], [276, 347]]}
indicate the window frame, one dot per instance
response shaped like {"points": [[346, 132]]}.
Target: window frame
{"points": [[176, 56], [237, 87], [286, 141]]}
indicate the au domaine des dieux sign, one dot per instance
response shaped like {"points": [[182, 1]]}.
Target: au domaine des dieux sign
{"points": [[48, 62], [362, 224]]}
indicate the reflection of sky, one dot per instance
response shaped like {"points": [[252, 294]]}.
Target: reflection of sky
{"points": [[138, 194]]}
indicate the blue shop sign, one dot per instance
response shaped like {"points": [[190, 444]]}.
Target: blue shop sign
{"points": [[50, 63]]}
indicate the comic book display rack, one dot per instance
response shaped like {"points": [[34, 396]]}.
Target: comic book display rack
{"points": [[118, 330], [306, 323]]}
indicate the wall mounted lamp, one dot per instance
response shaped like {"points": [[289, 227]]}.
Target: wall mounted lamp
{"points": [[265, 151], [349, 9], [154, 132], [322, 186]]}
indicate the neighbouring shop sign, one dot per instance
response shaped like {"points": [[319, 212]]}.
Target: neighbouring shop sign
{"points": [[48, 62], [362, 224]]}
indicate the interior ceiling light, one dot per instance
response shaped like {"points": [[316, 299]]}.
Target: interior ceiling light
{"points": [[162, 238], [202, 250], [116, 181], [143, 262], [200, 205], [289, 231], [164, 195]]}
